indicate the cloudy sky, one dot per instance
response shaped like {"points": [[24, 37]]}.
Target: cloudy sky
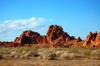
{"points": [[77, 17]]}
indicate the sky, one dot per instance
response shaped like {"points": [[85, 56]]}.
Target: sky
{"points": [[77, 17]]}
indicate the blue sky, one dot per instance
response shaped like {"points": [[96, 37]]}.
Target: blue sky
{"points": [[77, 17]]}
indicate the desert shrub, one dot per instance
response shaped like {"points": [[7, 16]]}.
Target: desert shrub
{"points": [[95, 54], [49, 53]]}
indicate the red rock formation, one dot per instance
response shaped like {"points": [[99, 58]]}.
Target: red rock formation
{"points": [[57, 37], [28, 37], [9, 44], [92, 40]]}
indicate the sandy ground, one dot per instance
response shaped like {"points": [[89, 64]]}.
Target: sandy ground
{"points": [[21, 62]]}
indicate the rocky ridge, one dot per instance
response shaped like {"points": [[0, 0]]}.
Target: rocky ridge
{"points": [[55, 37]]}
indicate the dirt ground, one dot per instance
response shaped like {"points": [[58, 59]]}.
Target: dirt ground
{"points": [[21, 62]]}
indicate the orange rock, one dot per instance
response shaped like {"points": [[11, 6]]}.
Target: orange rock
{"points": [[28, 37], [55, 37], [92, 40]]}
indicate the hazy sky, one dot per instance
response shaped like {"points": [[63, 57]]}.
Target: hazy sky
{"points": [[77, 17]]}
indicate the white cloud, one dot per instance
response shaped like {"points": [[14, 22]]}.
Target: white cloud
{"points": [[11, 26], [22, 24]]}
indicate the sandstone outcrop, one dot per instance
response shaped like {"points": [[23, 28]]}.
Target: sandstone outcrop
{"points": [[55, 37], [92, 40], [28, 37]]}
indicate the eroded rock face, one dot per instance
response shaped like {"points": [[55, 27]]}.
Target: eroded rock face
{"points": [[56, 31], [57, 37], [92, 40], [28, 37]]}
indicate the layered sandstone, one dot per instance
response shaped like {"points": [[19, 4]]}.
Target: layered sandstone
{"points": [[92, 40], [55, 37], [28, 37]]}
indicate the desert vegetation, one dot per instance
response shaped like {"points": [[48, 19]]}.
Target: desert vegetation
{"points": [[33, 56], [49, 53]]}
